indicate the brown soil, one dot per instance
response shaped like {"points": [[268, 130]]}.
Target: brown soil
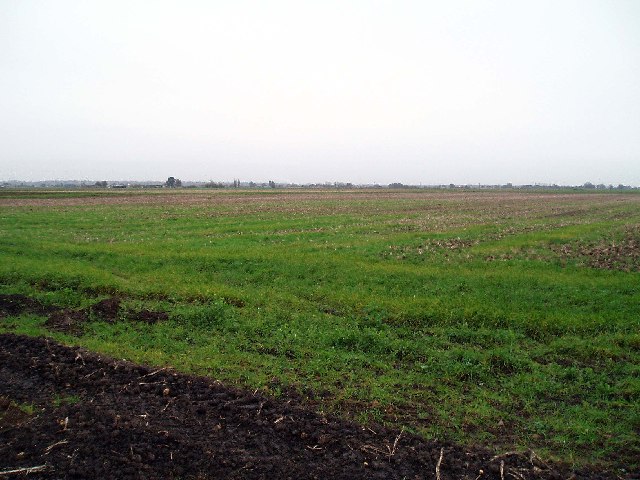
{"points": [[120, 420], [268, 199]]}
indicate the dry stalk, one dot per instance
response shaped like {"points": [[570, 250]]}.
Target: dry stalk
{"points": [[392, 451], [95, 371], [516, 475], [372, 449], [439, 463], [154, 372], [533, 456], [50, 447], [501, 469], [25, 470], [167, 405], [503, 455], [530, 455], [395, 443]]}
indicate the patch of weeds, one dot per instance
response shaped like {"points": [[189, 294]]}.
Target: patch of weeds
{"points": [[24, 324], [59, 400], [367, 340], [10, 407], [14, 413], [204, 316], [27, 408], [506, 362], [375, 316], [464, 335]]}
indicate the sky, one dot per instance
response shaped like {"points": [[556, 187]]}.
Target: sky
{"points": [[418, 92]]}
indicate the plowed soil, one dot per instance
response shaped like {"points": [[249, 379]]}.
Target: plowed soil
{"points": [[96, 417]]}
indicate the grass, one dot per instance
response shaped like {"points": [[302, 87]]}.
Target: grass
{"points": [[59, 400], [8, 410], [475, 317]]}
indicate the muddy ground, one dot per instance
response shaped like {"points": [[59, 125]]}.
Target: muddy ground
{"points": [[95, 417]]}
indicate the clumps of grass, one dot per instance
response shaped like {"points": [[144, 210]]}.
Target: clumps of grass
{"points": [[366, 340], [60, 400], [14, 413], [27, 408], [213, 315]]}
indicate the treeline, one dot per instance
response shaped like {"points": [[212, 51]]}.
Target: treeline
{"points": [[173, 182]]}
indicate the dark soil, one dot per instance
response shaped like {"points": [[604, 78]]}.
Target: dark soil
{"points": [[107, 309], [67, 320], [15, 304], [149, 316], [11, 414], [96, 417], [72, 321]]}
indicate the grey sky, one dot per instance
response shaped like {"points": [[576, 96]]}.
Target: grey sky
{"points": [[361, 91]]}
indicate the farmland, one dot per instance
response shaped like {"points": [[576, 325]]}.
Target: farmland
{"points": [[507, 319]]}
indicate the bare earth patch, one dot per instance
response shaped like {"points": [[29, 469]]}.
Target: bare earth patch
{"points": [[68, 320], [623, 254]]}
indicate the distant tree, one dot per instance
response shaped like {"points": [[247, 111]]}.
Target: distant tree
{"points": [[396, 185], [252, 184], [101, 184], [171, 182], [588, 185], [272, 184], [178, 182]]}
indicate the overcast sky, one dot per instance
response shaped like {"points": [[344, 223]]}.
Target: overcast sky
{"points": [[311, 91]]}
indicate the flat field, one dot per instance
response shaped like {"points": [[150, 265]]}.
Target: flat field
{"points": [[507, 319]]}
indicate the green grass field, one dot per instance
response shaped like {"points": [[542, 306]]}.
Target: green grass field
{"points": [[505, 319]]}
